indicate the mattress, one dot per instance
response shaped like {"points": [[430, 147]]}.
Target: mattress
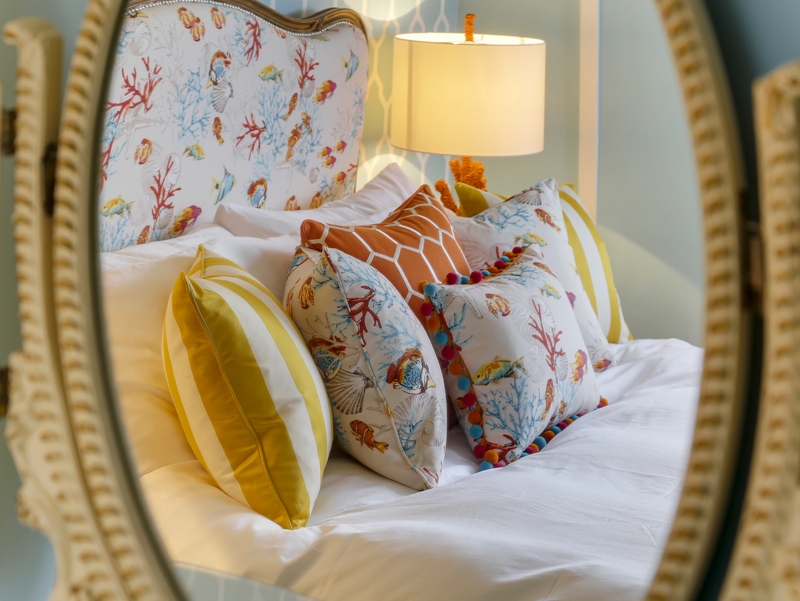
{"points": [[586, 518]]}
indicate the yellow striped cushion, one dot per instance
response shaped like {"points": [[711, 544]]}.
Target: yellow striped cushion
{"points": [[249, 397], [474, 201], [594, 266]]}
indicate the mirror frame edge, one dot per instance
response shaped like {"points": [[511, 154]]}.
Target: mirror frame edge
{"points": [[117, 559]]}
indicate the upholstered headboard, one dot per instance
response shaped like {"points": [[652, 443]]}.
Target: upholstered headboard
{"points": [[228, 101]]}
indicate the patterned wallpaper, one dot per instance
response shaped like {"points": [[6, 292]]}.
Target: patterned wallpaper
{"points": [[384, 19]]}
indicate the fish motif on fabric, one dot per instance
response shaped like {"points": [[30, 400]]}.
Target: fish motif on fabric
{"points": [[306, 295], [364, 434], [571, 298], [291, 204], [549, 398], [317, 200], [548, 290], [410, 373], [340, 146], [298, 259], [143, 151], [325, 152], [329, 161], [579, 367], [350, 65], [218, 69], [271, 73], [544, 268], [187, 218], [218, 18], [292, 106], [192, 23], [195, 151], [340, 177], [116, 206], [498, 305], [257, 193], [224, 186], [325, 91], [144, 235], [529, 238], [499, 368], [545, 217], [602, 365], [328, 355], [217, 129], [347, 391]]}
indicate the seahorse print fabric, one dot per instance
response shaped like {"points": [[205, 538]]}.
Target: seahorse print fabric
{"points": [[209, 104], [514, 355], [534, 217], [382, 375]]}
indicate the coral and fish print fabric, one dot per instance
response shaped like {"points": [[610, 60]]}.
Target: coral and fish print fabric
{"points": [[512, 354], [382, 375], [534, 217], [208, 104]]}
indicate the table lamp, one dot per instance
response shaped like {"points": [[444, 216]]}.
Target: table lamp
{"points": [[468, 94]]}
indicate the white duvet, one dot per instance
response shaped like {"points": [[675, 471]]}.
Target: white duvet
{"points": [[584, 519]]}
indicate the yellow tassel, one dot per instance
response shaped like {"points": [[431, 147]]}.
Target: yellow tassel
{"points": [[469, 27]]}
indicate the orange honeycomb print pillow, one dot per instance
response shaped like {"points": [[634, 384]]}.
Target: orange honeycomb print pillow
{"points": [[415, 243]]}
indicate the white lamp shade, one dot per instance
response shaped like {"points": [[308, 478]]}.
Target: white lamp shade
{"points": [[482, 98]]}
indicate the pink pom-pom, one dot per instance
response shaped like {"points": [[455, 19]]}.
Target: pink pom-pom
{"points": [[468, 400], [516, 250], [479, 451], [452, 278], [532, 449], [448, 353], [562, 425], [499, 464], [476, 277], [426, 309], [500, 264]]}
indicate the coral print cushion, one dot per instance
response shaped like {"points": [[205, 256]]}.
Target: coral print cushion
{"points": [[516, 361], [382, 375], [209, 104], [534, 217], [415, 243]]}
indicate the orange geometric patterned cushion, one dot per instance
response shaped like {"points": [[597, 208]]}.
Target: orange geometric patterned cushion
{"points": [[415, 243]]}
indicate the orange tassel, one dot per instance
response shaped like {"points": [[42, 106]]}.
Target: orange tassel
{"points": [[447, 198], [455, 168], [469, 27]]}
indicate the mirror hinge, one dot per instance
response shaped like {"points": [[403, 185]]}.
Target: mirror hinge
{"points": [[754, 266], [49, 177], [8, 135]]}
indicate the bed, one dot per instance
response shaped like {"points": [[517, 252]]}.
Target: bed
{"points": [[584, 518]]}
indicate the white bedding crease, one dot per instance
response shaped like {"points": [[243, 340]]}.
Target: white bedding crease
{"points": [[584, 519]]}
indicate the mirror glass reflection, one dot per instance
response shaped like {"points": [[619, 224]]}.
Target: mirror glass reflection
{"points": [[217, 127]]}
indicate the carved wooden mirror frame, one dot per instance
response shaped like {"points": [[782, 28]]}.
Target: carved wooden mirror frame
{"points": [[65, 434]]}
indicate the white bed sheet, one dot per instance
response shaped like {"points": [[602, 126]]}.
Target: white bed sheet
{"points": [[584, 519]]}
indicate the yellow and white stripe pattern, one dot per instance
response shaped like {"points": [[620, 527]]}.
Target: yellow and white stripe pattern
{"points": [[249, 396], [594, 266]]}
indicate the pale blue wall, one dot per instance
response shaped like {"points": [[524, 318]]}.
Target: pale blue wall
{"points": [[648, 196]]}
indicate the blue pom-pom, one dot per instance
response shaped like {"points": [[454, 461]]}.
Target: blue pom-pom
{"points": [[540, 442], [486, 273], [555, 429], [465, 279], [475, 431], [505, 259], [485, 465], [440, 338], [524, 454], [430, 290], [463, 383]]}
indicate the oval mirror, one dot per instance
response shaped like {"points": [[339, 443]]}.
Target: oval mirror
{"points": [[194, 130]]}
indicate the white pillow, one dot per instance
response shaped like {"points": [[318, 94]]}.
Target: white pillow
{"points": [[372, 204]]}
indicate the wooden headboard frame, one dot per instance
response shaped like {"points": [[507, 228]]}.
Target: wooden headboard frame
{"points": [[213, 101], [314, 24]]}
